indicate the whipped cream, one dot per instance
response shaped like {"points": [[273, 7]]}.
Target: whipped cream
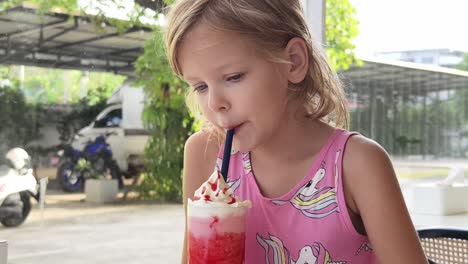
{"points": [[216, 192]]}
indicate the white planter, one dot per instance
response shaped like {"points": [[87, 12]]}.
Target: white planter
{"points": [[101, 191], [439, 200]]}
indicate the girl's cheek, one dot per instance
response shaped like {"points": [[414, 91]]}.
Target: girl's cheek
{"points": [[205, 109], [208, 114]]}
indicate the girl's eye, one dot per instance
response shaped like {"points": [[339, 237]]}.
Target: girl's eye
{"points": [[235, 78], [200, 88]]}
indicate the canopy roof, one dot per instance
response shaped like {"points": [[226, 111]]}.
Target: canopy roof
{"points": [[412, 78], [58, 40]]}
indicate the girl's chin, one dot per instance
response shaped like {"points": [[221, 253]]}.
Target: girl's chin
{"points": [[241, 146]]}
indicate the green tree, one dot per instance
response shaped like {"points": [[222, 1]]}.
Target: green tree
{"points": [[341, 28], [18, 119], [169, 120], [57, 86], [464, 64], [45, 5]]}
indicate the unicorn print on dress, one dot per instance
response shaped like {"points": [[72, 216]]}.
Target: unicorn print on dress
{"points": [[246, 163], [234, 184], [312, 201], [337, 156], [366, 247], [276, 251], [219, 161]]}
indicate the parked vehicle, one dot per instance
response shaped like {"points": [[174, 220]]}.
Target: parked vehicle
{"points": [[94, 160], [122, 117], [17, 185]]}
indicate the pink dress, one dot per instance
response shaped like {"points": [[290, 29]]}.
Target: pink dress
{"points": [[309, 224]]}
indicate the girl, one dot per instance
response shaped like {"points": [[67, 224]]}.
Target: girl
{"points": [[319, 193]]}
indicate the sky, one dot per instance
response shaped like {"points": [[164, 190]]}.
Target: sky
{"points": [[392, 25]]}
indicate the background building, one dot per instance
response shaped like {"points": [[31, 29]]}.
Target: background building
{"points": [[410, 109], [437, 57]]}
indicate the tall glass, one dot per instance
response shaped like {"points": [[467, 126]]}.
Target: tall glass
{"points": [[216, 234]]}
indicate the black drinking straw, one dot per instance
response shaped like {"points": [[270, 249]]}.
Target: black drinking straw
{"points": [[227, 153]]}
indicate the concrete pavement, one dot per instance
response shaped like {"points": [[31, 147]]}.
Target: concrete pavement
{"points": [[73, 231]]}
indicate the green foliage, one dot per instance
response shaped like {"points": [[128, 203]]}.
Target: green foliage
{"points": [[22, 119], [341, 29], [67, 6], [169, 121], [153, 66], [56, 86], [82, 114], [19, 120], [102, 85], [100, 7], [464, 64]]}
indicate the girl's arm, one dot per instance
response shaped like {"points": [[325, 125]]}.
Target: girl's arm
{"points": [[199, 161], [371, 183]]}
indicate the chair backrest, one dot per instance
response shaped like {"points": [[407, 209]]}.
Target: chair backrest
{"points": [[445, 245]]}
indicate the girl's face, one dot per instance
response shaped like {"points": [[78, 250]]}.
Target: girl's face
{"points": [[235, 86]]}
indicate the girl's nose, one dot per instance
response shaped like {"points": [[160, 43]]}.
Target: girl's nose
{"points": [[217, 101]]}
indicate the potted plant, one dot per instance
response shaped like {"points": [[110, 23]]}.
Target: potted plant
{"points": [[98, 188]]}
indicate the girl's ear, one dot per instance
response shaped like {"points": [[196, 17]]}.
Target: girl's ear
{"points": [[296, 52]]}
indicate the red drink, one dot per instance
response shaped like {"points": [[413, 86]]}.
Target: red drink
{"points": [[216, 224], [218, 237]]}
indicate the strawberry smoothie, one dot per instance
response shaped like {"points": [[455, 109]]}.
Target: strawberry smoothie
{"points": [[216, 224]]}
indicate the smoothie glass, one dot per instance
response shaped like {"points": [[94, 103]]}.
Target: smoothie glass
{"points": [[216, 234]]}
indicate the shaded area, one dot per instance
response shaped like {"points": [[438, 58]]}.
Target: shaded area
{"points": [[58, 40]]}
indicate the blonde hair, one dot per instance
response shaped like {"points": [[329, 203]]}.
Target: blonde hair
{"points": [[270, 24]]}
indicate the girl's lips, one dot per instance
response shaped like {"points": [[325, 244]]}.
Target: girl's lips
{"points": [[236, 127]]}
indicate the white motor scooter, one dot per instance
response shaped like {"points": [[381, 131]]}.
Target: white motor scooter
{"points": [[17, 185]]}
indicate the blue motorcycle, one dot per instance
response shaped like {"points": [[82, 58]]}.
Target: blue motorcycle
{"points": [[94, 161]]}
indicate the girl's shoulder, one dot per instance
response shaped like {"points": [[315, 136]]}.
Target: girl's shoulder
{"points": [[200, 153], [202, 147], [367, 171], [361, 150], [363, 158]]}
